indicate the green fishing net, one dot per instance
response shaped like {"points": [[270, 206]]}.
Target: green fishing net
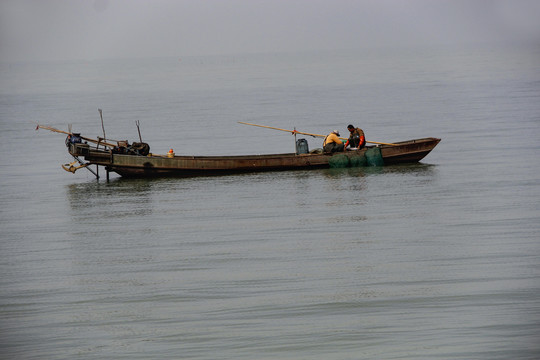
{"points": [[339, 161], [357, 161], [374, 157]]}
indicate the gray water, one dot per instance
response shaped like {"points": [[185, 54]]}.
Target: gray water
{"points": [[438, 260]]}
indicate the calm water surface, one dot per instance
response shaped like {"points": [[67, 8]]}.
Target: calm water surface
{"points": [[439, 260]]}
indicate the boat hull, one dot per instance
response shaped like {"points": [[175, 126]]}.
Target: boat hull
{"points": [[186, 166]]}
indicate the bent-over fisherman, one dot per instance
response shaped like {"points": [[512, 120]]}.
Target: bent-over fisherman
{"points": [[332, 143]]}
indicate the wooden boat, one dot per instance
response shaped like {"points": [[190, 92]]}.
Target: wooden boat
{"points": [[135, 160]]}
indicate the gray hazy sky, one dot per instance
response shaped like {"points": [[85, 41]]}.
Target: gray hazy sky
{"points": [[95, 29]]}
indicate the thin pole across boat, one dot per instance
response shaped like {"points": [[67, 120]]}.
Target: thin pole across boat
{"points": [[50, 128], [294, 132]]}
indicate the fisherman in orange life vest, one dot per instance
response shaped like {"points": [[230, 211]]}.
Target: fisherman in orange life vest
{"points": [[356, 139], [332, 143]]}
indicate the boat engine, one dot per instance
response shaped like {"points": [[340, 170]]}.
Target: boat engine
{"points": [[139, 148]]}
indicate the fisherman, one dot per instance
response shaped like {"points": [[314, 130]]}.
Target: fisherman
{"points": [[332, 143], [356, 140]]}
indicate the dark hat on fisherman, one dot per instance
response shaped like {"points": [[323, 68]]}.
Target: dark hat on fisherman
{"points": [[350, 126]]}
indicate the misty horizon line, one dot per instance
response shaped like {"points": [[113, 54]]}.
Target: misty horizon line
{"points": [[486, 45]]}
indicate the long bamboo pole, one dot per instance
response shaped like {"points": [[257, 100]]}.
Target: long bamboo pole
{"points": [[50, 128], [305, 133]]}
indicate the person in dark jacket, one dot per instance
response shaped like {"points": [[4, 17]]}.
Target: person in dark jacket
{"points": [[356, 139]]}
